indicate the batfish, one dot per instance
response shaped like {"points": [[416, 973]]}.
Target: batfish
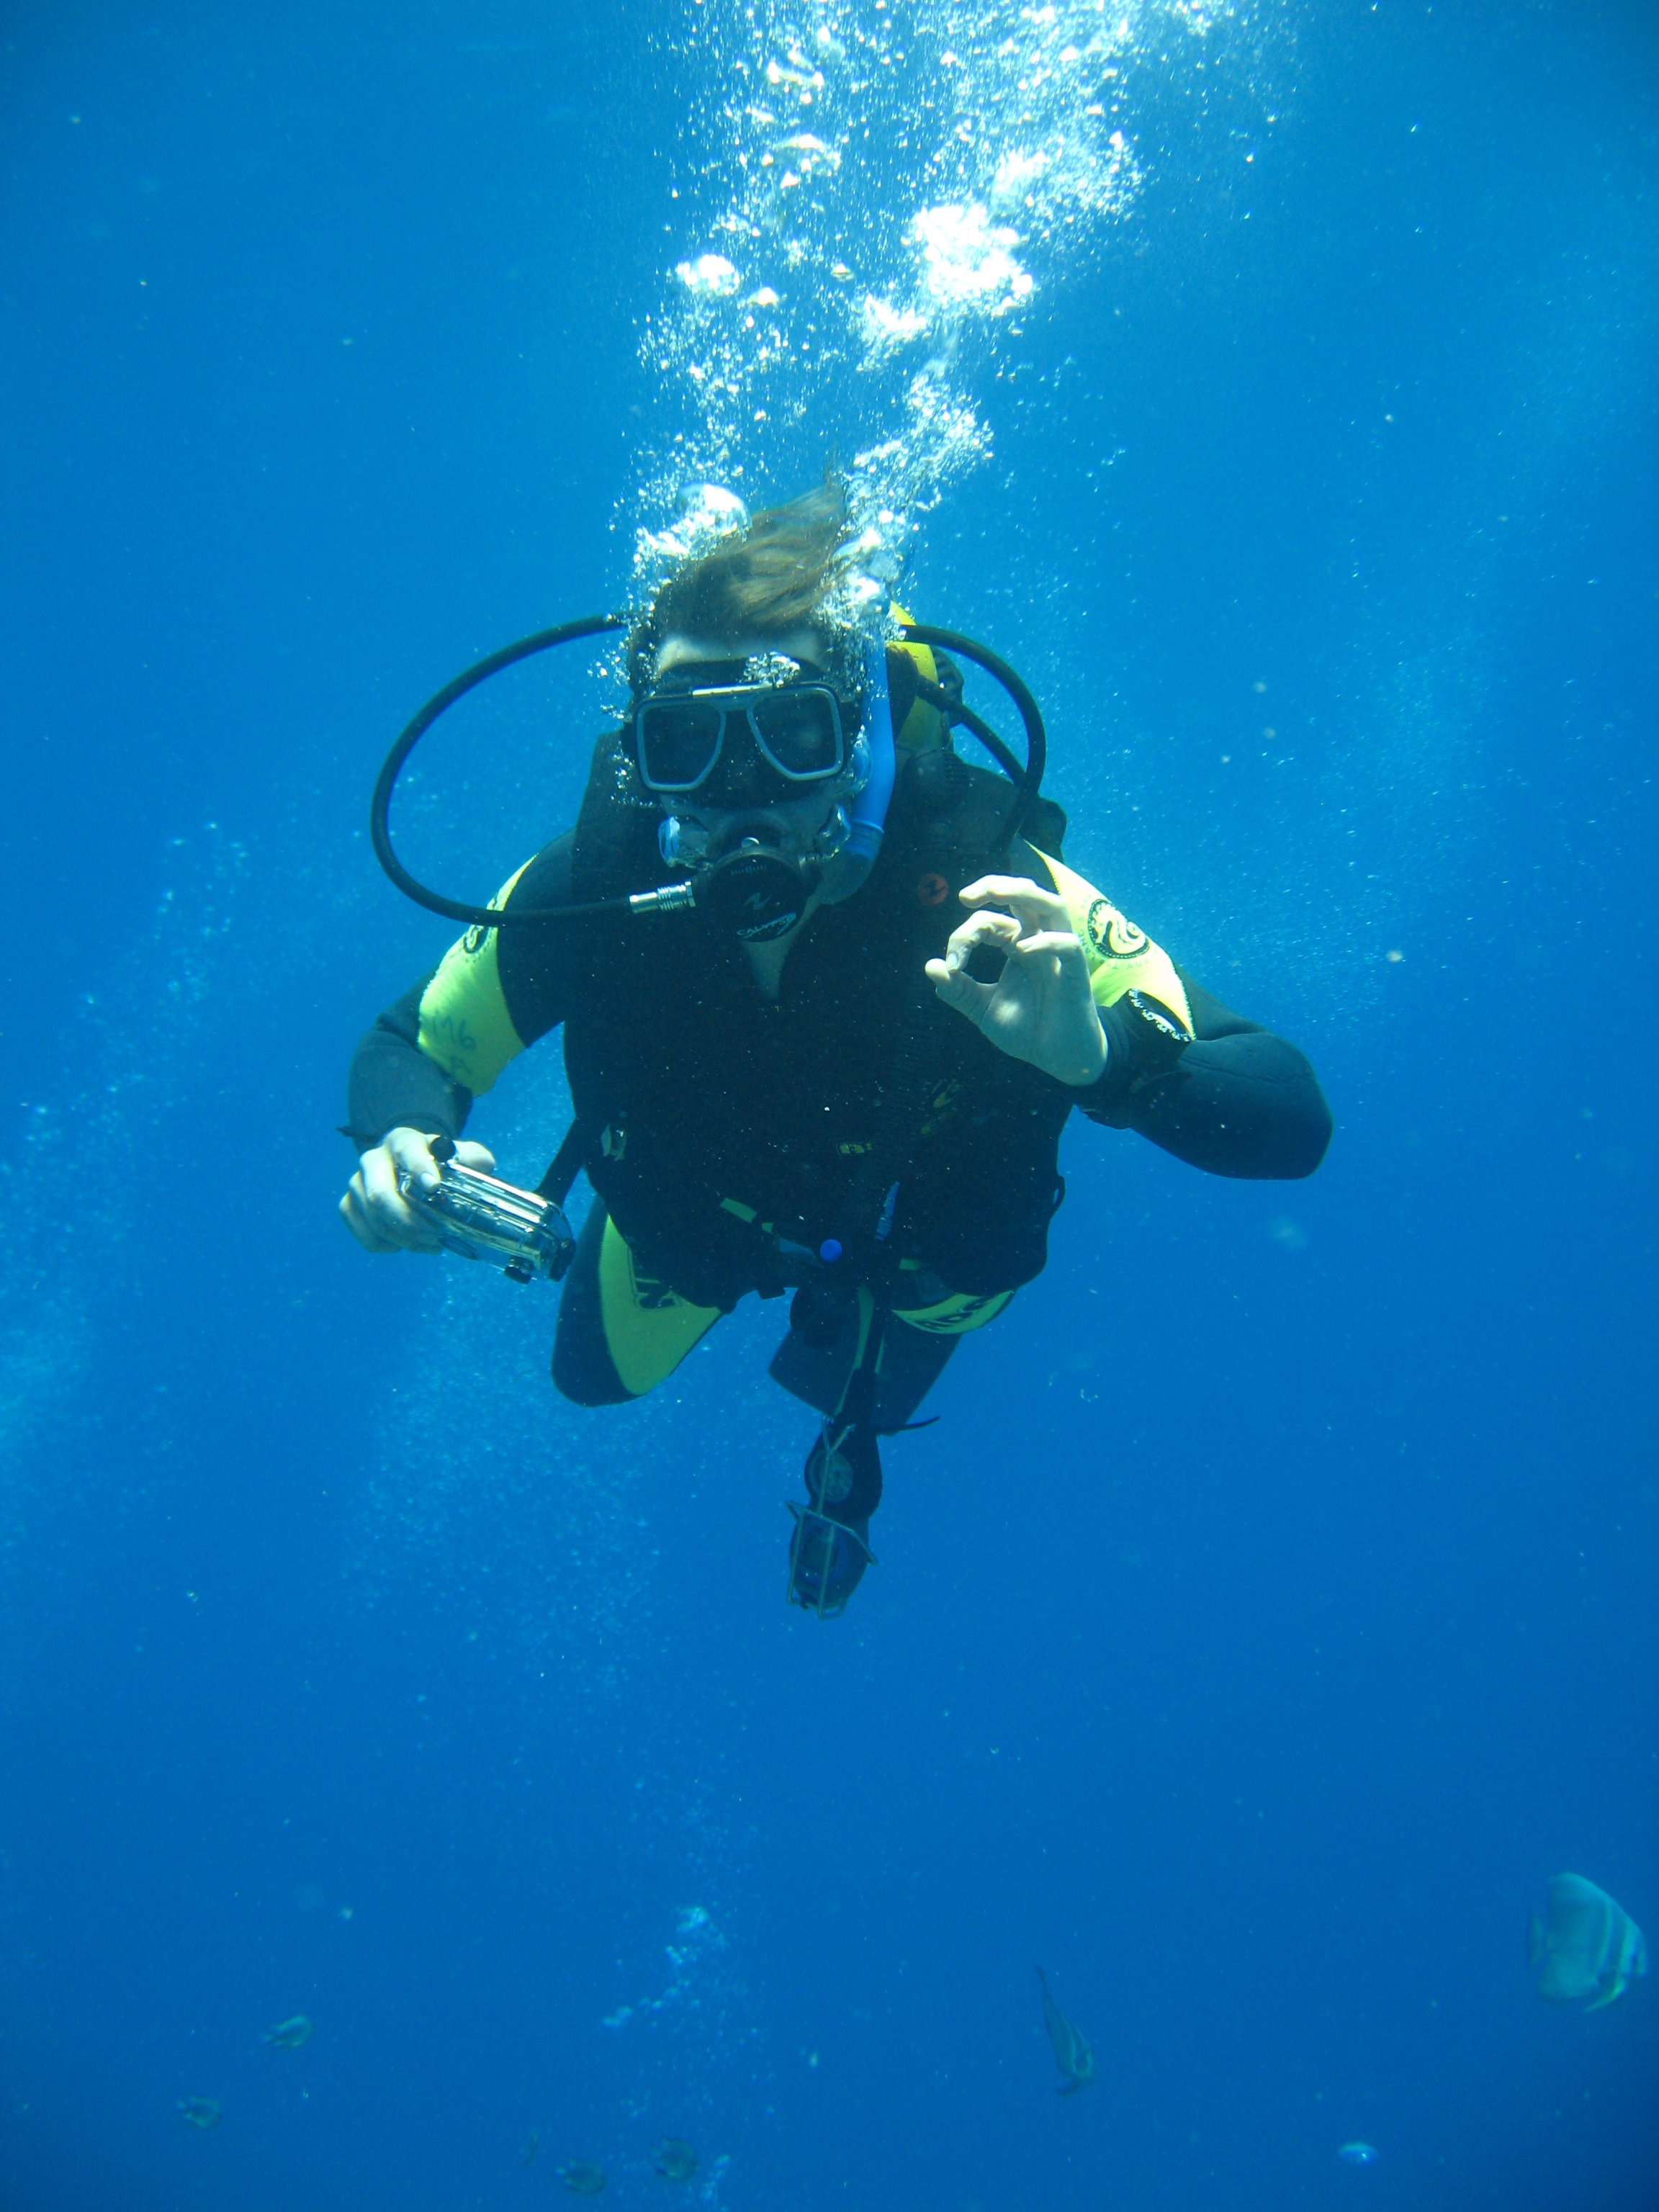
{"points": [[1587, 1945], [676, 2160], [1071, 2054], [288, 2034], [582, 2178], [201, 2113]]}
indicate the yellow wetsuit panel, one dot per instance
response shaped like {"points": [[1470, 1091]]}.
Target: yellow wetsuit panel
{"points": [[465, 1025], [1121, 956], [954, 1315], [649, 1327]]}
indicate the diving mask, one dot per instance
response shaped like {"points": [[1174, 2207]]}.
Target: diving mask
{"points": [[829, 1545], [827, 1560], [799, 730]]}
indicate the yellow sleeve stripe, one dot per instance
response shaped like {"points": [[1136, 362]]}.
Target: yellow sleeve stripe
{"points": [[1120, 958], [465, 1025]]}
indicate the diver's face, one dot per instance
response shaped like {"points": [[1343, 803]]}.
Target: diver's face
{"points": [[745, 801]]}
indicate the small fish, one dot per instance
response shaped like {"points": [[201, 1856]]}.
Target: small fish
{"points": [[1071, 2053], [1588, 1947], [675, 2161], [201, 2113], [532, 2143], [582, 2177], [288, 2034], [1358, 2154]]}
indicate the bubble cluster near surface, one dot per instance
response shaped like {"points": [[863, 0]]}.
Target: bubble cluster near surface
{"points": [[866, 202]]}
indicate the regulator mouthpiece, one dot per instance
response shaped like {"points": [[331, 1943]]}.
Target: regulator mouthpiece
{"points": [[758, 894]]}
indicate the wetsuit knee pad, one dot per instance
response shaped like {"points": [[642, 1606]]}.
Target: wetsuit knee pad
{"points": [[620, 1331]]}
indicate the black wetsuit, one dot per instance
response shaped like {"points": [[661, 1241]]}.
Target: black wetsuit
{"points": [[724, 1133]]}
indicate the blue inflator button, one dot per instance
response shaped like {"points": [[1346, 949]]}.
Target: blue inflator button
{"points": [[830, 1251]]}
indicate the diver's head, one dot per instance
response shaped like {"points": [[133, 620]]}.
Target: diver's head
{"points": [[748, 714], [767, 713]]}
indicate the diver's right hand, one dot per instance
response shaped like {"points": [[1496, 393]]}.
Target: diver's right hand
{"points": [[375, 1211]]}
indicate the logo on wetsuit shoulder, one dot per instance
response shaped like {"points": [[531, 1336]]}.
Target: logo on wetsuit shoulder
{"points": [[1113, 935]]}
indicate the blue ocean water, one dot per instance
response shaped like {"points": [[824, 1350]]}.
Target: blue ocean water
{"points": [[1270, 1612]]}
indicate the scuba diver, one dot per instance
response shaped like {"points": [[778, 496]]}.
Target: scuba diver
{"points": [[843, 1071]]}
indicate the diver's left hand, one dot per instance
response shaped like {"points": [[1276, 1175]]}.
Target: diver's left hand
{"points": [[1040, 1008]]}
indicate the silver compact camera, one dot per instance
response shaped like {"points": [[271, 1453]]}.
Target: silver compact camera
{"points": [[480, 1217]]}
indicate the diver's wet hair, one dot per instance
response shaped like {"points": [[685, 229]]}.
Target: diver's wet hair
{"points": [[763, 581]]}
